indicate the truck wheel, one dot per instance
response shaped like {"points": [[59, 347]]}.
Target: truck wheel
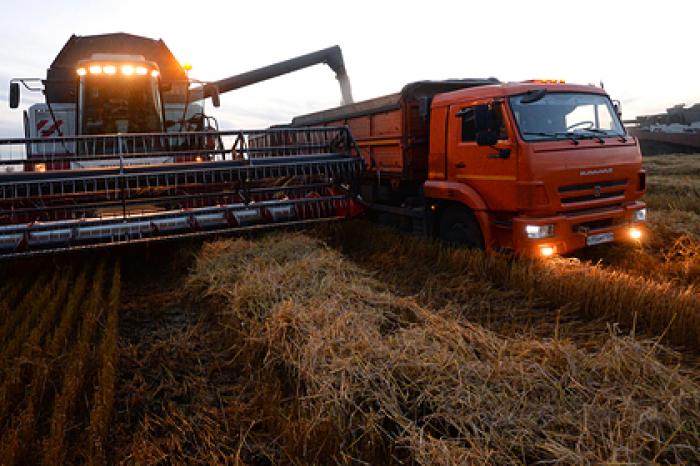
{"points": [[458, 226]]}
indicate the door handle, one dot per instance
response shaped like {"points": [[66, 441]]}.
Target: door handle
{"points": [[460, 165]]}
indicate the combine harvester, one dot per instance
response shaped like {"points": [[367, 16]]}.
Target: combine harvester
{"points": [[122, 152]]}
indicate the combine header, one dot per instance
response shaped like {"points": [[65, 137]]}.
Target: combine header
{"points": [[122, 152]]}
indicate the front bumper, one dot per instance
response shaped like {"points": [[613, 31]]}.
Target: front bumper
{"points": [[579, 230]]}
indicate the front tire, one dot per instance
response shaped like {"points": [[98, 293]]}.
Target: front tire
{"points": [[458, 226]]}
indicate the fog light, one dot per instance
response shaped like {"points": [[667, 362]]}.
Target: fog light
{"points": [[40, 167], [547, 251], [539, 231], [635, 233], [640, 215]]}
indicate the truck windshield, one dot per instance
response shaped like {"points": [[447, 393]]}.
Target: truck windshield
{"points": [[565, 115], [113, 105]]}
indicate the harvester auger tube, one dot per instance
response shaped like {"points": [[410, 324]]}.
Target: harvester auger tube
{"points": [[332, 56], [134, 188]]}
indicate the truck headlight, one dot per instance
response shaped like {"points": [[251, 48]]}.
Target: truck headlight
{"points": [[640, 215], [539, 231]]}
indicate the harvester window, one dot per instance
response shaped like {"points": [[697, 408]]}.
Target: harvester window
{"points": [[120, 106]]}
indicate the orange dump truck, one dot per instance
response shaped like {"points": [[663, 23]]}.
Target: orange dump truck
{"points": [[535, 168]]}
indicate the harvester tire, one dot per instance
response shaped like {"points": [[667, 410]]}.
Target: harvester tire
{"points": [[459, 227]]}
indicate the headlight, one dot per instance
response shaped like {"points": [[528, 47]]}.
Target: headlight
{"points": [[539, 231], [640, 215]]}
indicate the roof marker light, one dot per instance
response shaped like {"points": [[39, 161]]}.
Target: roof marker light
{"points": [[81, 71], [109, 69], [141, 70], [155, 73], [546, 81], [95, 69]]}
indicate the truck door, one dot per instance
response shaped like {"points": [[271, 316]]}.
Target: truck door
{"points": [[490, 170]]}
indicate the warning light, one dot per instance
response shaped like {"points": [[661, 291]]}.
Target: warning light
{"points": [[186, 66]]}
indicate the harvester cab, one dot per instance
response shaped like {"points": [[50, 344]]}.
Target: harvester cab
{"points": [[109, 103], [113, 84], [122, 151]]}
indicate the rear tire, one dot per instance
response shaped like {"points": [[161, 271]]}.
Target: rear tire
{"points": [[458, 226]]}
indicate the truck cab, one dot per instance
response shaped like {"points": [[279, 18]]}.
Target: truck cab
{"points": [[538, 168]]}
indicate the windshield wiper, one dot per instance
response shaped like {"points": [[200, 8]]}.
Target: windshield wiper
{"points": [[596, 131], [607, 133], [567, 134]]}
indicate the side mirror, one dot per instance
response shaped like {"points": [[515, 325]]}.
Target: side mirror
{"points": [[486, 123], [14, 95]]}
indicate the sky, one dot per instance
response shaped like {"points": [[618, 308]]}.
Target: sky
{"points": [[645, 52]]}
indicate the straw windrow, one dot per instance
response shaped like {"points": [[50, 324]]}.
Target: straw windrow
{"points": [[365, 374]]}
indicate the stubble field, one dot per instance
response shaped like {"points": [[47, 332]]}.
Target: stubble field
{"points": [[352, 344]]}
